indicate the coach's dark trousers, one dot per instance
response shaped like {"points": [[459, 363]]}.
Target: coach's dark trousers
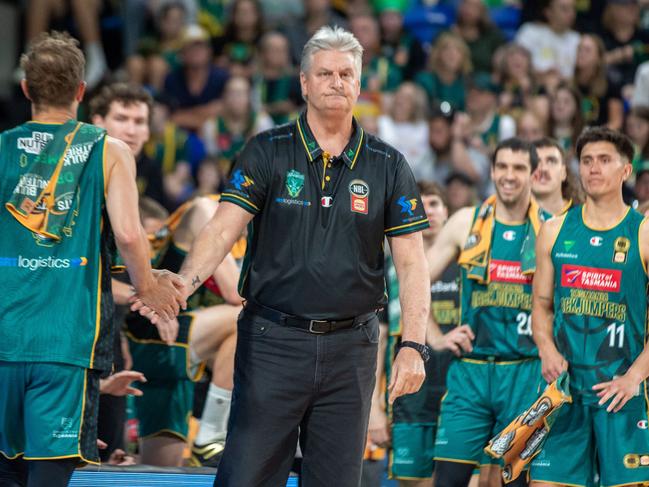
{"points": [[288, 380]]}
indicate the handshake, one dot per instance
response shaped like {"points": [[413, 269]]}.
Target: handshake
{"points": [[161, 300]]}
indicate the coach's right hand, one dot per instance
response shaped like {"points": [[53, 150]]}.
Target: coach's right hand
{"points": [[553, 364], [458, 340]]}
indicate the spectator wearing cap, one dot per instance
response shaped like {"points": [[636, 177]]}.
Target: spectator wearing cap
{"points": [[482, 37], [405, 128], [486, 127], [196, 86], [444, 80], [552, 43], [625, 42], [397, 44]]}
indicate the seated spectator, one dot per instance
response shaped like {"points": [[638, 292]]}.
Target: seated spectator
{"points": [[486, 127], [448, 65], [277, 85], [158, 54], [196, 85], [397, 44], [225, 135], [169, 146], [641, 187], [552, 43], [625, 42], [529, 126], [40, 13], [601, 102], [236, 49], [641, 86], [209, 177], [637, 128], [520, 90], [460, 192], [406, 129], [566, 122], [379, 73], [482, 37], [452, 153], [317, 13]]}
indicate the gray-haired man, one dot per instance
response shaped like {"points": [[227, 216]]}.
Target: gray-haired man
{"points": [[321, 195]]}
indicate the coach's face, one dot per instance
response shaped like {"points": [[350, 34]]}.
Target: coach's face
{"points": [[512, 175], [331, 85], [128, 123], [602, 169]]}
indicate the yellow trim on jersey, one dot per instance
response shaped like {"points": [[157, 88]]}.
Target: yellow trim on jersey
{"points": [[83, 410], [103, 169], [557, 235], [418, 222], [358, 147], [188, 354], [583, 208], [239, 198], [642, 482], [98, 314], [457, 460], [501, 362], [11, 458], [306, 148], [644, 264], [163, 431], [564, 483], [151, 341]]}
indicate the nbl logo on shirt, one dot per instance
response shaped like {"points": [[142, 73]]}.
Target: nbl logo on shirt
{"points": [[591, 278]]}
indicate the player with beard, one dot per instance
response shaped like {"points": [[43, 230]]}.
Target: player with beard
{"points": [[497, 367]]}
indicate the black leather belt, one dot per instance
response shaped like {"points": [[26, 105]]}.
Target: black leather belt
{"points": [[312, 326]]}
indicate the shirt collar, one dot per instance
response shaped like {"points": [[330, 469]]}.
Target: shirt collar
{"points": [[313, 150]]}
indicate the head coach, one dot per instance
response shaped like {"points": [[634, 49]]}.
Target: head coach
{"points": [[320, 196]]}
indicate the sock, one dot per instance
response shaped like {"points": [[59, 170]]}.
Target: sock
{"points": [[214, 422]]}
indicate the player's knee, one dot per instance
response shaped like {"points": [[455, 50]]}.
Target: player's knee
{"points": [[452, 474]]}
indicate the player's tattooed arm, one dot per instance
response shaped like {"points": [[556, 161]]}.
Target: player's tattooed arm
{"points": [[196, 281]]}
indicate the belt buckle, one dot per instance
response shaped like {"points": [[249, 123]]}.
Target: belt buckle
{"points": [[311, 323]]}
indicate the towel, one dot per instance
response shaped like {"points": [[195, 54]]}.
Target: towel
{"points": [[523, 438], [51, 213], [475, 255]]}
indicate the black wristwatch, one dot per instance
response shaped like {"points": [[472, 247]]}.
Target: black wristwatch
{"points": [[423, 349]]}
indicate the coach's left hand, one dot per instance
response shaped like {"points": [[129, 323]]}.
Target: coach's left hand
{"points": [[408, 374], [621, 390]]}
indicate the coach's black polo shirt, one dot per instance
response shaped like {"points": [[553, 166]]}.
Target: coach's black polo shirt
{"points": [[315, 246]]}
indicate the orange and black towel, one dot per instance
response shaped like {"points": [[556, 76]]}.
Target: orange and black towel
{"points": [[523, 438]]}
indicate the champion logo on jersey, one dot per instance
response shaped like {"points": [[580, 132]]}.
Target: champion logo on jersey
{"points": [[596, 241], [509, 235], [642, 424], [592, 278], [326, 201]]}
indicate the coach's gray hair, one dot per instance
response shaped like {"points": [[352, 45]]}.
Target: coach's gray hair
{"points": [[332, 39]]}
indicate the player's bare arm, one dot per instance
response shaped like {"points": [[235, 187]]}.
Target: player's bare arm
{"points": [[619, 390], [552, 362], [408, 254], [446, 249], [157, 291], [213, 244]]}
